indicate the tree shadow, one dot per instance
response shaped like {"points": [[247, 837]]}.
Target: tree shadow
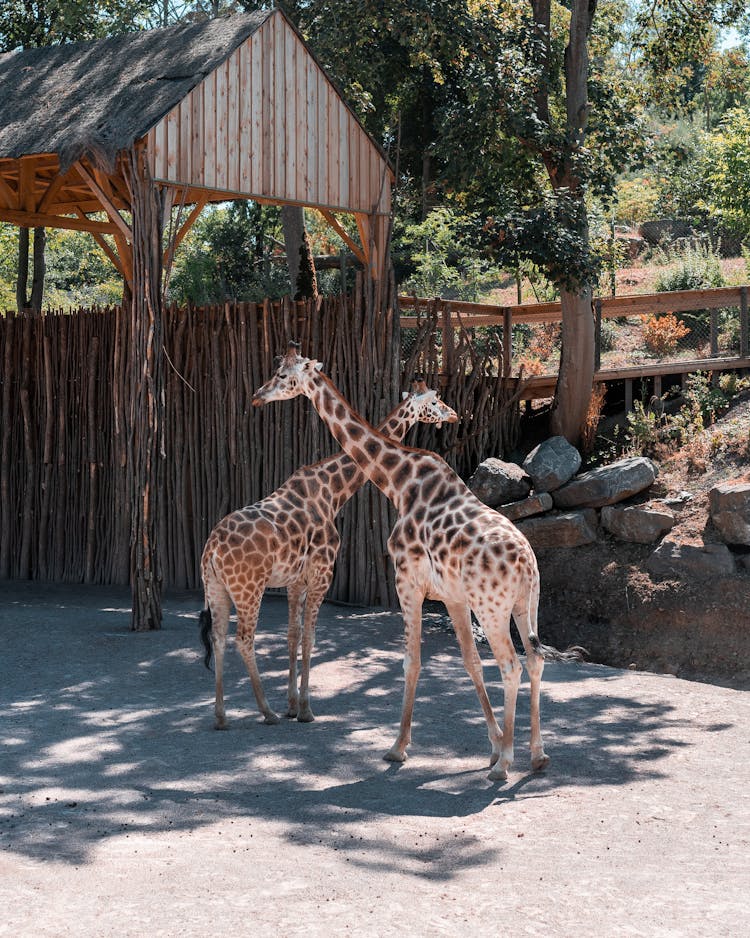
{"points": [[106, 732]]}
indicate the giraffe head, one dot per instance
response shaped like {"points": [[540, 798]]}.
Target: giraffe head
{"points": [[292, 372], [428, 406]]}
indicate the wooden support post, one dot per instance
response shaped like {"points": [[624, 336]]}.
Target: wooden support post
{"points": [[597, 335], [657, 385], [628, 395], [145, 433], [714, 332], [744, 337], [507, 342], [447, 328]]}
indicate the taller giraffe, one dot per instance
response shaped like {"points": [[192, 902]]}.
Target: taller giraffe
{"points": [[445, 545], [288, 539]]}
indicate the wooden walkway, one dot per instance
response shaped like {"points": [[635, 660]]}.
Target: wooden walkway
{"points": [[454, 315]]}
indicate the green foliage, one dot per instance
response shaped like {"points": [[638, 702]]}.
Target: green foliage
{"points": [[635, 200], [728, 173], [229, 254], [31, 23], [694, 266], [445, 262]]}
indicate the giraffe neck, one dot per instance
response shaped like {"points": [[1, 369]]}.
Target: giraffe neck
{"points": [[349, 477], [385, 463]]}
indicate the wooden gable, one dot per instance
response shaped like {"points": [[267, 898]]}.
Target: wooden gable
{"points": [[268, 124]]}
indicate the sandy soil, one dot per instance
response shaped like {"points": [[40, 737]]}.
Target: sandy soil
{"points": [[123, 813]]}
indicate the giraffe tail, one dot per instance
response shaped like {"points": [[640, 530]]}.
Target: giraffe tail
{"points": [[550, 653], [205, 624]]}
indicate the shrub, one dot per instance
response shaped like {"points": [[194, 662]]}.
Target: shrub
{"points": [[661, 334], [695, 265]]}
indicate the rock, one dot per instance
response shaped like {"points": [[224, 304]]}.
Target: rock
{"points": [[678, 500], [691, 560], [664, 230], [640, 524], [533, 505], [552, 464], [608, 484], [743, 561], [729, 505], [570, 529], [496, 482]]}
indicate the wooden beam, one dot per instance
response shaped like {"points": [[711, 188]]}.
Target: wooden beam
{"points": [[8, 195], [26, 177], [184, 228], [363, 225], [342, 233], [53, 189], [105, 247], [38, 220], [106, 202]]}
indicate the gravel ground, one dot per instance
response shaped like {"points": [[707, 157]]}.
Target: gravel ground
{"points": [[122, 812]]}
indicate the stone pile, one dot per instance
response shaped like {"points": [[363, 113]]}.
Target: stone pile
{"points": [[555, 506]]}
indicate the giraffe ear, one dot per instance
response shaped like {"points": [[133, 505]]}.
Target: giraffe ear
{"points": [[318, 366], [404, 395]]}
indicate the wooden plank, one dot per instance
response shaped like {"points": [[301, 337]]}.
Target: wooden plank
{"points": [[343, 154], [279, 111], [301, 121], [209, 131], [363, 225], [744, 336], [245, 107], [311, 138], [267, 152], [234, 90], [52, 191], [185, 170], [321, 144], [197, 175], [290, 114], [26, 176], [172, 121], [256, 152], [222, 128]]}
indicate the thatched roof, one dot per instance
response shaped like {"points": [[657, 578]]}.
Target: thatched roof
{"points": [[96, 98]]}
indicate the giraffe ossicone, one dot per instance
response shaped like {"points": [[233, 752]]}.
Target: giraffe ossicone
{"points": [[288, 539], [446, 545]]}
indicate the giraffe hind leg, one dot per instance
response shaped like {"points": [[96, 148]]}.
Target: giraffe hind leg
{"points": [[214, 626], [525, 617]]}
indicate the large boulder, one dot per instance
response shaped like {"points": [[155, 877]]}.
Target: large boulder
{"points": [[535, 504], [729, 504], [568, 529], [496, 482], [608, 484], [551, 464], [639, 524], [696, 561]]}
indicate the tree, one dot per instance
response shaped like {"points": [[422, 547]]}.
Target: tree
{"points": [[728, 173]]}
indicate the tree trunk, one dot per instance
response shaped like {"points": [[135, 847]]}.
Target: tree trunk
{"points": [[145, 443], [23, 269], [302, 280], [576, 376], [37, 283]]}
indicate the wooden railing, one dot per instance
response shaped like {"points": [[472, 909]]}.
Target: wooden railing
{"points": [[458, 314]]}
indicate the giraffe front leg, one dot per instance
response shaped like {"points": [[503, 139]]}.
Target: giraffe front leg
{"points": [[411, 608], [295, 597], [312, 607]]}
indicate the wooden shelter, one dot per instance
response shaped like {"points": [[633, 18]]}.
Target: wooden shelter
{"points": [[129, 138]]}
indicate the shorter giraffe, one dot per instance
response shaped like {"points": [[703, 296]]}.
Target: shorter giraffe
{"points": [[445, 545], [288, 539]]}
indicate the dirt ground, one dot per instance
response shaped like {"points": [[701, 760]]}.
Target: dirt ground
{"points": [[123, 813]]}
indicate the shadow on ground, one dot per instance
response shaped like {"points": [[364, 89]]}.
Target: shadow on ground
{"points": [[105, 731]]}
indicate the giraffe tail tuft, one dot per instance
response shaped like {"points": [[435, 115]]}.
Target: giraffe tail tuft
{"points": [[549, 653], [205, 624]]}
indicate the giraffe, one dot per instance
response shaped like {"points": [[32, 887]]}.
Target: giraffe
{"points": [[445, 545], [288, 539]]}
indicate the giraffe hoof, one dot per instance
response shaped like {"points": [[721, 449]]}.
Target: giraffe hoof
{"points": [[270, 719], [498, 774], [305, 715], [395, 755], [220, 724], [539, 763], [291, 713]]}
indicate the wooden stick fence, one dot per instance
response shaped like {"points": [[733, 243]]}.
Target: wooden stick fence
{"points": [[66, 418]]}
